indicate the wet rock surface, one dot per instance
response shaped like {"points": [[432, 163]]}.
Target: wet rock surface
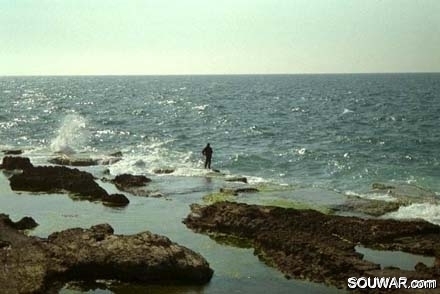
{"points": [[390, 197], [307, 244], [15, 162], [12, 152], [405, 193], [161, 171], [36, 265], [116, 199], [78, 161], [236, 191], [52, 179], [367, 206], [237, 179], [133, 184]]}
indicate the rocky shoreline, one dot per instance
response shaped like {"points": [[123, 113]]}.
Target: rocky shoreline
{"points": [[44, 265], [53, 179], [301, 243], [306, 244]]}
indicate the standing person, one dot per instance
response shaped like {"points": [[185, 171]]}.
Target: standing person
{"points": [[207, 151]]}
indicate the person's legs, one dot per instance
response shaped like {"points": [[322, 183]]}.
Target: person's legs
{"points": [[209, 162]]}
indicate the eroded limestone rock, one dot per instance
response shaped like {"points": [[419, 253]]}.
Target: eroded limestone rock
{"points": [[35, 265], [307, 244]]}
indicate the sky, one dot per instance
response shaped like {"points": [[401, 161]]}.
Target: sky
{"points": [[161, 37]]}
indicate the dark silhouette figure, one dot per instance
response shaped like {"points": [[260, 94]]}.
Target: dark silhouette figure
{"points": [[207, 151]]}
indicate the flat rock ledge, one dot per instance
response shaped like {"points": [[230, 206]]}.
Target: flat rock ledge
{"points": [[133, 184], [36, 265], [52, 179], [306, 244], [78, 161]]}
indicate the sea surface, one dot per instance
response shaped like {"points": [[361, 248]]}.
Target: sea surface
{"points": [[311, 138]]}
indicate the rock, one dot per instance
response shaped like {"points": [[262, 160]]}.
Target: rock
{"points": [[421, 267], [163, 170], [236, 191], [64, 160], [127, 180], [116, 154], [12, 152], [380, 186], [131, 184], [16, 162], [115, 200], [156, 195], [57, 179], [406, 192], [109, 160], [4, 244], [26, 223], [237, 179], [38, 265], [77, 161], [306, 244], [367, 206]]}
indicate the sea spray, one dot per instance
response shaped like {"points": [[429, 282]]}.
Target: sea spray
{"points": [[71, 136], [154, 153], [427, 211]]}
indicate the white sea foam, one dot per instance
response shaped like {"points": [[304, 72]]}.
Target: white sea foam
{"points": [[152, 154], [256, 180], [346, 110], [301, 151], [200, 107], [427, 211], [71, 136], [192, 172], [372, 196]]}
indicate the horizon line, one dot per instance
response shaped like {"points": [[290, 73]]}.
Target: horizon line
{"points": [[216, 74]]}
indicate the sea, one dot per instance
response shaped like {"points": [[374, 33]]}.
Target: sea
{"points": [[313, 139]]}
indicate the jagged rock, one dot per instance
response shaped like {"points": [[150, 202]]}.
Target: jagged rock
{"points": [[108, 160], [26, 223], [406, 192], [64, 160], [4, 244], [12, 152], [77, 161], [126, 180], [156, 195], [307, 244], [115, 200], [367, 206], [56, 179], [380, 186], [236, 191], [163, 170], [132, 184], [16, 162], [116, 154], [237, 179], [38, 265]]}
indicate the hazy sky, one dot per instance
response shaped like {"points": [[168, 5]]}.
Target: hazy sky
{"points": [[218, 37]]}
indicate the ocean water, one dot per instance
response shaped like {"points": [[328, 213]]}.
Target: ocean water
{"points": [[316, 137]]}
